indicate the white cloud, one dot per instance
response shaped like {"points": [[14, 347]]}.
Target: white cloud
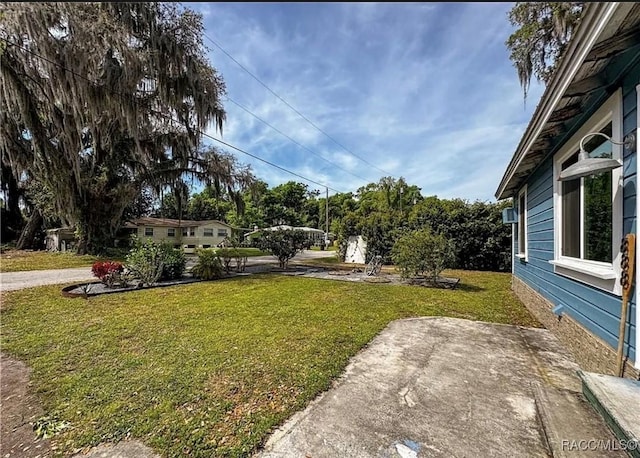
{"points": [[423, 91]]}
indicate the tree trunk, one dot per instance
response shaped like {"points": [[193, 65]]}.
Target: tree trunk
{"points": [[83, 245], [12, 220], [28, 235]]}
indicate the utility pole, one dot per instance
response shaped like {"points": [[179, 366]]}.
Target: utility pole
{"points": [[326, 238]]}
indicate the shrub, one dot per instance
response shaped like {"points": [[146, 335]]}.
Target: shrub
{"points": [[421, 252], [174, 262], [283, 244], [109, 272], [230, 254], [145, 261], [226, 255], [208, 265]]}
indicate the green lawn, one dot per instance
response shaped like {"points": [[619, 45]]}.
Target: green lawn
{"points": [[248, 252], [330, 260], [329, 248], [16, 261], [209, 369]]}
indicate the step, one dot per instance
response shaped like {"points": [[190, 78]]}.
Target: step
{"points": [[617, 400], [569, 423]]}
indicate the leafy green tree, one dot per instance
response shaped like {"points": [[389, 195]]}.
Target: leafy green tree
{"points": [[102, 99], [380, 230], [377, 212], [251, 217], [285, 204], [201, 207], [253, 214], [284, 244], [141, 206], [481, 241], [168, 207], [543, 31]]}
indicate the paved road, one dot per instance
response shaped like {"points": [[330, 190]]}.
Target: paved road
{"points": [[19, 280], [11, 281]]}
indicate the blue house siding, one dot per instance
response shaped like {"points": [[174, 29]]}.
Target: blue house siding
{"points": [[596, 310]]}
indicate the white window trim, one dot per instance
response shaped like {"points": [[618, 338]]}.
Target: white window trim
{"points": [[513, 249], [148, 229], [523, 255], [171, 229], [601, 275]]}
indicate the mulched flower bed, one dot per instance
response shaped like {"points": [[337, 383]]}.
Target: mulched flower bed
{"points": [[97, 288]]}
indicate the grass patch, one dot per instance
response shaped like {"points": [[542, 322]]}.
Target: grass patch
{"points": [[329, 248], [249, 252], [209, 369], [18, 260], [329, 261]]}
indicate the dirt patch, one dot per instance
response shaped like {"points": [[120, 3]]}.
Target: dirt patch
{"points": [[124, 449], [20, 409]]}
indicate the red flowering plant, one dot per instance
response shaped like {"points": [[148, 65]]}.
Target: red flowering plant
{"points": [[109, 272]]}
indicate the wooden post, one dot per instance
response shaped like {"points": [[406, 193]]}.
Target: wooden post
{"points": [[627, 263]]}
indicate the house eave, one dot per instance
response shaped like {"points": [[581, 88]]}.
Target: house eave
{"points": [[595, 19]]}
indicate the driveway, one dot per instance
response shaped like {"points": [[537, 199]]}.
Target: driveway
{"points": [[10, 281]]}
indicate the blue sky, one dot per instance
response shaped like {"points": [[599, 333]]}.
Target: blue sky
{"points": [[424, 91]]}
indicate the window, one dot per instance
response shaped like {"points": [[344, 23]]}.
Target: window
{"points": [[522, 224], [188, 231], [588, 210], [148, 232], [192, 231], [206, 246], [191, 246], [587, 207], [208, 232], [222, 232], [171, 232], [185, 231]]}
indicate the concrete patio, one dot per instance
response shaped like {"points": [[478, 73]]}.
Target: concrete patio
{"points": [[443, 387]]}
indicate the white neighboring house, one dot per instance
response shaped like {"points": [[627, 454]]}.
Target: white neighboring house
{"points": [[182, 233]]}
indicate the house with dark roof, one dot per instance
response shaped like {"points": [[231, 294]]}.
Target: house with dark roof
{"points": [[573, 181]]}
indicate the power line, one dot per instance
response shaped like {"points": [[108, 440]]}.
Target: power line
{"points": [[170, 118], [239, 105], [292, 108], [265, 161]]}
